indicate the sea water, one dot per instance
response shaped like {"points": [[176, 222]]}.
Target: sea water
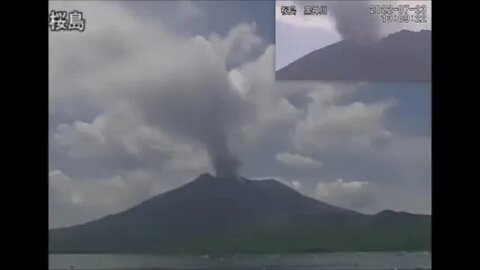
{"points": [[321, 261]]}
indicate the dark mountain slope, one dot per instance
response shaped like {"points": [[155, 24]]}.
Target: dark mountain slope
{"points": [[213, 214], [402, 56]]}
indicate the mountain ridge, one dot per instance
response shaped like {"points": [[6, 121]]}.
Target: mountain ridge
{"points": [[401, 56], [211, 214]]}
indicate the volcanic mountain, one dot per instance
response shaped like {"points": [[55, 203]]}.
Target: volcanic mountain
{"points": [[398, 57], [237, 215]]}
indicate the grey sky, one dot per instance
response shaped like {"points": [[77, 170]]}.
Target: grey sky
{"points": [[109, 83], [293, 42]]}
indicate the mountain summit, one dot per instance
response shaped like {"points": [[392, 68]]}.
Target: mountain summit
{"points": [[214, 214], [401, 56]]}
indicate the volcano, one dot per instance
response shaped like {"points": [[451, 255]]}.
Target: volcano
{"points": [[401, 56], [237, 215]]}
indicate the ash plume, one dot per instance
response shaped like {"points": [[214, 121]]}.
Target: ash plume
{"points": [[215, 138], [224, 162], [353, 20], [207, 111]]}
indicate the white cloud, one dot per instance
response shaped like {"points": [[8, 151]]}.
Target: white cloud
{"points": [[274, 113], [352, 125], [238, 44], [73, 201], [350, 194], [298, 161], [121, 134]]}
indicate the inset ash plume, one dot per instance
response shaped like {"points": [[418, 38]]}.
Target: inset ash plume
{"points": [[353, 20]]}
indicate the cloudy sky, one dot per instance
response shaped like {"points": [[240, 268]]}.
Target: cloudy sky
{"points": [[136, 98], [301, 34]]}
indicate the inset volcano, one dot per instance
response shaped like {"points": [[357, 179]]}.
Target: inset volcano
{"points": [[404, 56]]}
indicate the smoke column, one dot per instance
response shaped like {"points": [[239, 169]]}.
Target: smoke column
{"points": [[224, 162], [207, 112], [222, 114]]}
